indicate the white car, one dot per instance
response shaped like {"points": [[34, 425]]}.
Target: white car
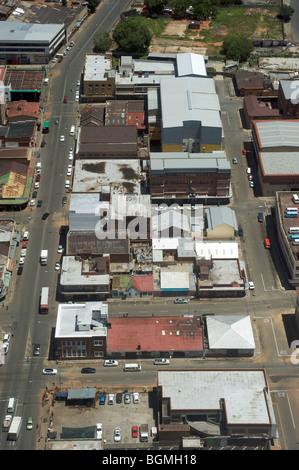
{"points": [[71, 156], [77, 99], [117, 434], [135, 397], [54, 60], [22, 261], [7, 338], [110, 363], [32, 202], [111, 399], [248, 171], [181, 301], [5, 348], [251, 285], [60, 249], [49, 371], [62, 138], [36, 185], [99, 431], [57, 266], [67, 184], [161, 362], [69, 172], [23, 252]]}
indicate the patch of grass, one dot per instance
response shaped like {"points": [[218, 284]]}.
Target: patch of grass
{"points": [[155, 25]]}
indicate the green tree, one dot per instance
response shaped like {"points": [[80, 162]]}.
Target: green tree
{"points": [[132, 36], [285, 12], [155, 6], [102, 41], [179, 7], [205, 8], [237, 47], [93, 5]]}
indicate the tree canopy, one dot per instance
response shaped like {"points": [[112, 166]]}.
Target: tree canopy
{"points": [[102, 42], [132, 36], [237, 47]]}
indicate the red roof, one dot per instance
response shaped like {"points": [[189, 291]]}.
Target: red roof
{"points": [[144, 283], [155, 334]]}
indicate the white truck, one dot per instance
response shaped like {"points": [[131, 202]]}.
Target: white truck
{"points": [[44, 257], [6, 422], [143, 433], [15, 428]]}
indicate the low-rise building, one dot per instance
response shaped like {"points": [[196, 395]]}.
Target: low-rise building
{"points": [[81, 330], [238, 402]]}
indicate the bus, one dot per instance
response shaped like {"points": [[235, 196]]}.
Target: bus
{"points": [[44, 301], [291, 209], [294, 237], [291, 215], [46, 127]]}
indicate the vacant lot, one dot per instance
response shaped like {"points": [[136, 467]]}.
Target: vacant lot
{"points": [[174, 36]]}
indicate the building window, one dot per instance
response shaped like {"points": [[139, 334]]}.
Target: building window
{"points": [[98, 342], [98, 354]]}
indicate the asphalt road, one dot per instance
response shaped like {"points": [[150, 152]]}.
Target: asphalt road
{"points": [[19, 378]]}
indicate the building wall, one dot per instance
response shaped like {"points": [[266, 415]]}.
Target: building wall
{"points": [[220, 232], [81, 348], [100, 90]]}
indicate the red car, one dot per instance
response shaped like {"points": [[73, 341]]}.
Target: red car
{"points": [[24, 244], [37, 178], [134, 431]]}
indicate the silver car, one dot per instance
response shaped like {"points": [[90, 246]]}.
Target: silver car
{"points": [[117, 434]]}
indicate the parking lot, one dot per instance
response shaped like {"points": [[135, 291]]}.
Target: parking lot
{"points": [[111, 416]]}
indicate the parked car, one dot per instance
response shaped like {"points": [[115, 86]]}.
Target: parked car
{"points": [[7, 338], [60, 249], [62, 138], [135, 431], [88, 370], [251, 285], [119, 398], [21, 261], [36, 185], [127, 398], [57, 266], [34, 194], [20, 270], [161, 362], [250, 177], [260, 217], [99, 431], [235, 161], [23, 251], [248, 171], [135, 397], [251, 184], [78, 82], [5, 348], [103, 399], [110, 363], [111, 399], [39, 203], [32, 203], [49, 371], [181, 301], [64, 200], [117, 434]]}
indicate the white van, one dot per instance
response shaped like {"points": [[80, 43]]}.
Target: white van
{"points": [[161, 362], [295, 198], [11, 405], [132, 367], [72, 131], [26, 236], [46, 81]]}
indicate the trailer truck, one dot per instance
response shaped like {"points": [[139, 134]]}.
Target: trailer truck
{"points": [[44, 257], [15, 428]]}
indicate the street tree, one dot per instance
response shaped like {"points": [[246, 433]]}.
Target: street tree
{"points": [[132, 36], [102, 42]]}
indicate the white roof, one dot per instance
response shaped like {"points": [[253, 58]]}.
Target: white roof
{"points": [[230, 332], [217, 250], [174, 279], [81, 320], [12, 31], [189, 63]]}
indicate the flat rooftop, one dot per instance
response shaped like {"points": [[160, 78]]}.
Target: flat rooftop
{"points": [[245, 393], [120, 176]]}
